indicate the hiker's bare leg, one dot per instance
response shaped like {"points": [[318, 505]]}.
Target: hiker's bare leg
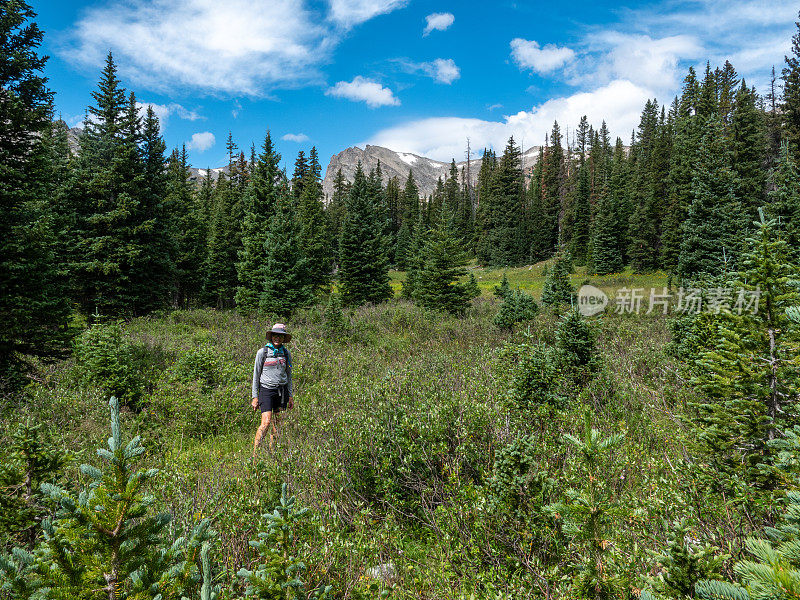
{"points": [[262, 429], [274, 431]]}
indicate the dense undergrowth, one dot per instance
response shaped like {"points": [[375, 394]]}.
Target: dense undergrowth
{"points": [[430, 449]]}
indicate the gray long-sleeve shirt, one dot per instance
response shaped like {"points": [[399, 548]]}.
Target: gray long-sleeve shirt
{"points": [[272, 370]]}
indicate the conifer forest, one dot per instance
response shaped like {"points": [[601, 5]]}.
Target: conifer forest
{"points": [[463, 426]]}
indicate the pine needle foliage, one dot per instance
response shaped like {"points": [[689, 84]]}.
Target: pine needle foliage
{"points": [[518, 492], [190, 228], [207, 591], [260, 201], [773, 570], [473, 289], [278, 572], [557, 288], [104, 543], [517, 307], [363, 259], [790, 107], [415, 258], [334, 319], [503, 289], [587, 517], [784, 199], [712, 229], [105, 359], [31, 460], [288, 284], [606, 255], [749, 374], [684, 563], [438, 285], [575, 341], [33, 303], [220, 277], [534, 381], [313, 227]]}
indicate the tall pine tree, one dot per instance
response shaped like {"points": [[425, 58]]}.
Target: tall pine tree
{"points": [[189, 228], [106, 204], [790, 107], [750, 371], [711, 231], [437, 284], [313, 234], [33, 309], [260, 200], [288, 284], [363, 264]]}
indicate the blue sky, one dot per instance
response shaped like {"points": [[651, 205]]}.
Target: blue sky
{"points": [[413, 75]]}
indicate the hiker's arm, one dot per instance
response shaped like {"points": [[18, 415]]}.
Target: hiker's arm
{"points": [[256, 375], [289, 387]]}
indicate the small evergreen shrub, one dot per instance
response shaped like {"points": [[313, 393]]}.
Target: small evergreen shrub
{"points": [[517, 307], [194, 395], [503, 289], [279, 569], [443, 261], [575, 341], [587, 516], [517, 485], [334, 319], [684, 563], [104, 541], [105, 359], [535, 379], [202, 365], [31, 460], [557, 287], [473, 290]]}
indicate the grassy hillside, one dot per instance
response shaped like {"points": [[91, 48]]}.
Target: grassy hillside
{"points": [[531, 279]]}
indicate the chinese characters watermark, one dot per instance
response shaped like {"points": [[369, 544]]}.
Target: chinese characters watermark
{"points": [[715, 300]]}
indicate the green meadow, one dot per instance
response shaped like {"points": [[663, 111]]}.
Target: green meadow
{"points": [[423, 477]]}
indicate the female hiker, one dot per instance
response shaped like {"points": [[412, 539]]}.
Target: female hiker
{"points": [[272, 382]]}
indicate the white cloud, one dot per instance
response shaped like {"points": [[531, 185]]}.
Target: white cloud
{"points": [[295, 137], [165, 111], [233, 47], [201, 141], [761, 56], [529, 55], [441, 70], [237, 47], [753, 34], [237, 108], [366, 90], [657, 63], [438, 22], [76, 120], [715, 16], [618, 68], [619, 103], [348, 13]]}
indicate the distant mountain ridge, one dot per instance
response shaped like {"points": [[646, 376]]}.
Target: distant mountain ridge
{"points": [[426, 170]]}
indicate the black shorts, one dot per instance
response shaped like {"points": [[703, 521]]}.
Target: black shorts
{"points": [[272, 399]]}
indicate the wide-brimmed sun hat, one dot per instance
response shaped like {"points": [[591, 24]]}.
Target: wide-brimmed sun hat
{"points": [[281, 329]]}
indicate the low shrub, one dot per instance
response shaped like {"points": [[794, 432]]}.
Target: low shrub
{"points": [[105, 359], [517, 307]]}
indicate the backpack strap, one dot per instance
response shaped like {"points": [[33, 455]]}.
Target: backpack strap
{"points": [[282, 351]]}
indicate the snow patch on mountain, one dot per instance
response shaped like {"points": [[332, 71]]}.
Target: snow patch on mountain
{"points": [[409, 159]]}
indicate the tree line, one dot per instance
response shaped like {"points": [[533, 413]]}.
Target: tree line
{"points": [[119, 229]]}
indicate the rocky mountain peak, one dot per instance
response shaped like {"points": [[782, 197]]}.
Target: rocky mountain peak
{"points": [[426, 170]]}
